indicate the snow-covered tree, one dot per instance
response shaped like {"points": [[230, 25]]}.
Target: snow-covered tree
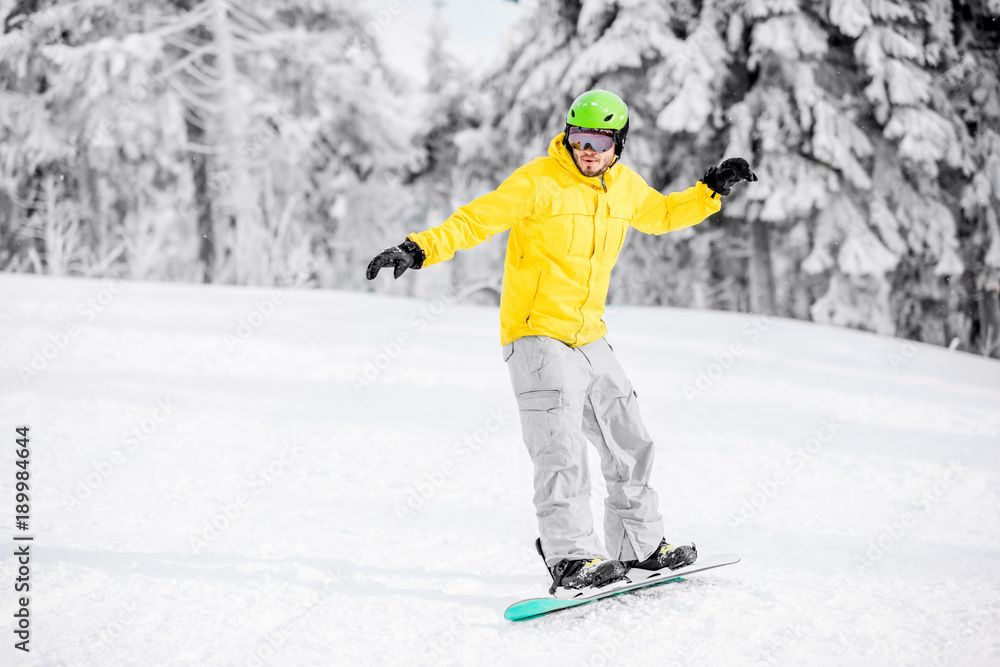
{"points": [[249, 142], [196, 139], [639, 50], [83, 137], [443, 173], [971, 81], [870, 122]]}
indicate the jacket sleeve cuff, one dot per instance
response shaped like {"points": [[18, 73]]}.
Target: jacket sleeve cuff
{"points": [[708, 197], [413, 247], [421, 255]]}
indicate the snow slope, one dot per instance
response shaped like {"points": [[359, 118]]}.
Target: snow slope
{"points": [[390, 522]]}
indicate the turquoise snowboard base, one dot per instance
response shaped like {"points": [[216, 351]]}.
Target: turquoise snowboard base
{"points": [[535, 607]]}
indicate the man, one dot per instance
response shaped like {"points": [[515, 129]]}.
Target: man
{"points": [[568, 214]]}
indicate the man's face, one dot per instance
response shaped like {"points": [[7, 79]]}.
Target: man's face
{"points": [[592, 163], [593, 150]]}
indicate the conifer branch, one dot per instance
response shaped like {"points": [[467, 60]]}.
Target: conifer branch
{"points": [[190, 57], [185, 46], [193, 98], [190, 20], [192, 147], [261, 27]]}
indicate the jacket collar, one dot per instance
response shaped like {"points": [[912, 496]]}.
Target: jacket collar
{"points": [[558, 151]]}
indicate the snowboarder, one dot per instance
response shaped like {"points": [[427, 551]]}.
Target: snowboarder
{"points": [[568, 214]]}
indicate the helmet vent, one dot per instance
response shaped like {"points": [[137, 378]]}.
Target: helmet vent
{"points": [[608, 117], [572, 113]]}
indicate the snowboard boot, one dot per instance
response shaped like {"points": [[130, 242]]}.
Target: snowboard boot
{"points": [[666, 556], [575, 574]]}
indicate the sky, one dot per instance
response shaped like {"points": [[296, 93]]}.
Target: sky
{"points": [[475, 31]]}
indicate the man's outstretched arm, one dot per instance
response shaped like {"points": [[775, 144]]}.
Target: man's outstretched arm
{"points": [[469, 226], [658, 214]]}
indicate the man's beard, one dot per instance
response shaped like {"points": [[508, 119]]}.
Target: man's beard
{"points": [[597, 168]]}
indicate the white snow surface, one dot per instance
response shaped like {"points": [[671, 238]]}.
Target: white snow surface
{"points": [[391, 523]]}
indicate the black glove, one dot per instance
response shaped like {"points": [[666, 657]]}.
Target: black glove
{"points": [[722, 178], [407, 255]]}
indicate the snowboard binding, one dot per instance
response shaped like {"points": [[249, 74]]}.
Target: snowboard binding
{"points": [[577, 574]]}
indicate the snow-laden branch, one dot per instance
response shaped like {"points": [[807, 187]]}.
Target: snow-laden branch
{"points": [[260, 27], [195, 72], [193, 147], [194, 98], [183, 45], [189, 21], [193, 56]]}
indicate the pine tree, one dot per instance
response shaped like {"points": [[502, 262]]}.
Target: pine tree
{"points": [[637, 50], [971, 82], [872, 128], [453, 107], [198, 139], [67, 91]]}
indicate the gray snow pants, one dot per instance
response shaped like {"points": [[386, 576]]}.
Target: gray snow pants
{"points": [[567, 396]]}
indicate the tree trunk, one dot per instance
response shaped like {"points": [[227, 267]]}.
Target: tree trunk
{"points": [[761, 274], [194, 126], [251, 253], [989, 322], [202, 199]]}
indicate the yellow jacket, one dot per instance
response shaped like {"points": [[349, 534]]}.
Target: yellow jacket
{"points": [[567, 231]]}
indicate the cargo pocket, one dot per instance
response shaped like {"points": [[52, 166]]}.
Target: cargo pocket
{"points": [[539, 411], [631, 402], [619, 397]]}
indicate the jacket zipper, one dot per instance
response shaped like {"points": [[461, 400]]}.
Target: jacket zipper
{"points": [[590, 273]]}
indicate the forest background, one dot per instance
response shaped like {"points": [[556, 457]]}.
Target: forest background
{"points": [[270, 143]]}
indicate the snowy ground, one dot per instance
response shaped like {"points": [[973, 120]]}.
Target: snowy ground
{"points": [[201, 499]]}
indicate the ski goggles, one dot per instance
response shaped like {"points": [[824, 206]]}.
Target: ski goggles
{"points": [[582, 138]]}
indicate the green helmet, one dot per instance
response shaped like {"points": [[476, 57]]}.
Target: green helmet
{"points": [[599, 109]]}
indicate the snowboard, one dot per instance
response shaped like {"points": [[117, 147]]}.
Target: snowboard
{"points": [[634, 580]]}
